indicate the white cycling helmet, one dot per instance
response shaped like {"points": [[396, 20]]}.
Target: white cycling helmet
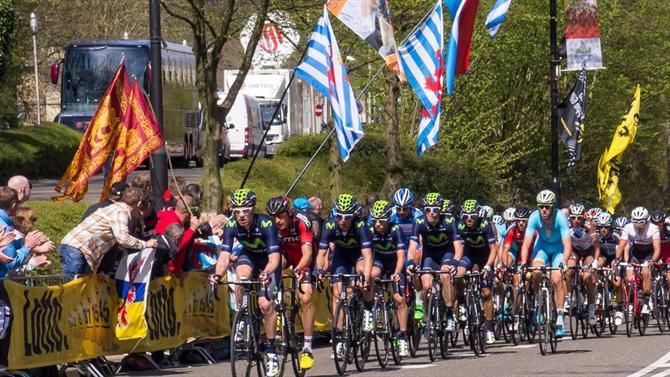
{"points": [[486, 212], [639, 214], [497, 219], [620, 222], [604, 219], [508, 214], [546, 197], [576, 210]]}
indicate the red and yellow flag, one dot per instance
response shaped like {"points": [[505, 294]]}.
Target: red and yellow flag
{"points": [[139, 135]]}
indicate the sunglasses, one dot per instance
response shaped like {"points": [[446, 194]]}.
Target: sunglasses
{"points": [[469, 217], [572, 217], [639, 222], [524, 221], [345, 216], [402, 209], [382, 221], [242, 211], [544, 207], [432, 209]]}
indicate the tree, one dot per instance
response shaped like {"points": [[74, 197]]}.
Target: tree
{"points": [[213, 24]]}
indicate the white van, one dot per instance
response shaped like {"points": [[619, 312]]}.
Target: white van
{"points": [[245, 127]]}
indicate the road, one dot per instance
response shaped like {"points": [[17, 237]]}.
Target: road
{"points": [[607, 356], [43, 189]]}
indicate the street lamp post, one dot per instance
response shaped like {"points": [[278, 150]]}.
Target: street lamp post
{"points": [[555, 64], [159, 172], [33, 29]]}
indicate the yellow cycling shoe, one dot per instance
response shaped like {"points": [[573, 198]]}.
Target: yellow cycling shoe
{"points": [[306, 360]]}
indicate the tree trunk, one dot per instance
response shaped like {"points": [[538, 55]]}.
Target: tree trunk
{"points": [[334, 166], [393, 168], [212, 184]]}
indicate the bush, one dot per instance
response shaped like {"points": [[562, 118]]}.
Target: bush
{"points": [[301, 146], [37, 152]]}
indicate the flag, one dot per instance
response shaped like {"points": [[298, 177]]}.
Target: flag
{"points": [[610, 163], [324, 69], [582, 35], [138, 136], [496, 16], [99, 139], [422, 62], [370, 20], [572, 112], [463, 13], [132, 285]]}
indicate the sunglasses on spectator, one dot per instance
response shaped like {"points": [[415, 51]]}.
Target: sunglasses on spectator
{"points": [[241, 211], [432, 209], [345, 216], [545, 207]]}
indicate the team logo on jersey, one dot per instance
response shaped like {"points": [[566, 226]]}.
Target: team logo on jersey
{"points": [[479, 241], [394, 228], [266, 224], [256, 245], [231, 224], [304, 219], [388, 246], [435, 240], [349, 243], [420, 221], [330, 226]]}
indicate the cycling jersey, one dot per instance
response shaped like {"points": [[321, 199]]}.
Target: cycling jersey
{"points": [[665, 242], [501, 231], [514, 237], [608, 247], [437, 241], [477, 241], [385, 247], [298, 233], [548, 246], [641, 242], [258, 243], [407, 224], [348, 245], [582, 243]]}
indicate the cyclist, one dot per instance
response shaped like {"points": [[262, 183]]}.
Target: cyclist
{"points": [[610, 255], [389, 259], [508, 216], [296, 237], [552, 247], [641, 243], [585, 252], [405, 216], [658, 218], [619, 223], [442, 250], [259, 258], [448, 208], [479, 253], [348, 238]]}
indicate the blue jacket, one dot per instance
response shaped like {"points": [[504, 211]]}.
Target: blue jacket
{"points": [[17, 249]]}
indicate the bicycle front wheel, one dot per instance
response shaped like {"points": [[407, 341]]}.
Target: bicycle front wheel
{"points": [[381, 335], [574, 311], [242, 347], [541, 321], [341, 338], [432, 326]]}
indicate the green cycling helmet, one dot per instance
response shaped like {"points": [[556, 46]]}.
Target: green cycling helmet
{"points": [[433, 199], [381, 210], [448, 207], [346, 204], [243, 198], [470, 207]]}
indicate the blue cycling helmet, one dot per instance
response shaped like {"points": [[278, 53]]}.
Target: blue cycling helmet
{"points": [[301, 203], [403, 197]]}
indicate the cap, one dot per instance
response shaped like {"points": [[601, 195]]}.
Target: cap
{"points": [[118, 188], [301, 203]]}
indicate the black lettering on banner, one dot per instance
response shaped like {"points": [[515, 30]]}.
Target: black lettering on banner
{"points": [[163, 317], [40, 325]]}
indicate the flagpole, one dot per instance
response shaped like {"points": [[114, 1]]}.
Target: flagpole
{"points": [[159, 176], [365, 88], [555, 64]]}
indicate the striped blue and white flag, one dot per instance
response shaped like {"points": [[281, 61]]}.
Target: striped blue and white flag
{"points": [[324, 69], [422, 61], [496, 16]]}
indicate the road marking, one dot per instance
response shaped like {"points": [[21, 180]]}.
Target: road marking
{"points": [[417, 366], [523, 346], [660, 363]]}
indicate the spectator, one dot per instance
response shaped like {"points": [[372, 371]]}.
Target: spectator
{"points": [[370, 199], [18, 251], [196, 193], [24, 224], [6, 238], [24, 220], [315, 216], [142, 182], [168, 246], [317, 205], [114, 196], [22, 186], [82, 249], [205, 250]]}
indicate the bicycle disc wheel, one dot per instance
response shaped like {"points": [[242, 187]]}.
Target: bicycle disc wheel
{"points": [[341, 339], [574, 313]]}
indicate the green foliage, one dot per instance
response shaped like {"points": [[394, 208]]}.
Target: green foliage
{"points": [[37, 152]]}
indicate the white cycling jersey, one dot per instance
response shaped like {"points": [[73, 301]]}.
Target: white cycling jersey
{"points": [[641, 240], [581, 240]]}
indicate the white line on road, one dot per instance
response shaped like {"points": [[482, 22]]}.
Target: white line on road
{"points": [[660, 363], [417, 366], [523, 346]]}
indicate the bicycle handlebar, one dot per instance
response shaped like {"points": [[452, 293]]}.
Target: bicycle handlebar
{"points": [[248, 283]]}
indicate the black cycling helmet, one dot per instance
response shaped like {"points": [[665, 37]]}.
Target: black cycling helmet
{"points": [[521, 213], [278, 205], [658, 216]]}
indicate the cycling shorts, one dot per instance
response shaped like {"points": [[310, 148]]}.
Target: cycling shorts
{"points": [[387, 266], [582, 254], [293, 259], [477, 257], [435, 261], [549, 254], [344, 264], [257, 263]]}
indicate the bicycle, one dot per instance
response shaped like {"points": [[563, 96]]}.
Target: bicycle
{"points": [[633, 302], [578, 307], [522, 310], [475, 313], [386, 322], [435, 328], [659, 298], [504, 306], [604, 309], [414, 327], [288, 309], [544, 311]]}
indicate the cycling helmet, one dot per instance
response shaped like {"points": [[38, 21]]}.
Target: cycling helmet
{"points": [[346, 204], [639, 214], [593, 213], [381, 210], [403, 197], [521, 213], [433, 199], [604, 219], [448, 207], [278, 205], [486, 212], [546, 197], [657, 216], [470, 207], [577, 210], [620, 222], [508, 214], [242, 198], [497, 219]]}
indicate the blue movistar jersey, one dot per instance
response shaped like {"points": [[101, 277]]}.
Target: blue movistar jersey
{"points": [[387, 245], [559, 230], [261, 238], [438, 238], [478, 237], [353, 240], [407, 224]]}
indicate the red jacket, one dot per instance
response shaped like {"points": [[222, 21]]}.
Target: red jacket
{"points": [[165, 219]]}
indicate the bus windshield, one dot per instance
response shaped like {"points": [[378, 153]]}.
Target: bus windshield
{"points": [[88, 71]]}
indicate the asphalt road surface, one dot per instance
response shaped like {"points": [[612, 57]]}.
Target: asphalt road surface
{"points": [[607, 356], [43, 189]]}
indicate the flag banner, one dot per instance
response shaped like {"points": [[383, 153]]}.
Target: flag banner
{"points": [[582, 35], [138, 136], [496, 16], [324, 69], [463, 14], [610, 163], [99, 139], [370, 20], [572, 112], [422, 61], [132, 285]]}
